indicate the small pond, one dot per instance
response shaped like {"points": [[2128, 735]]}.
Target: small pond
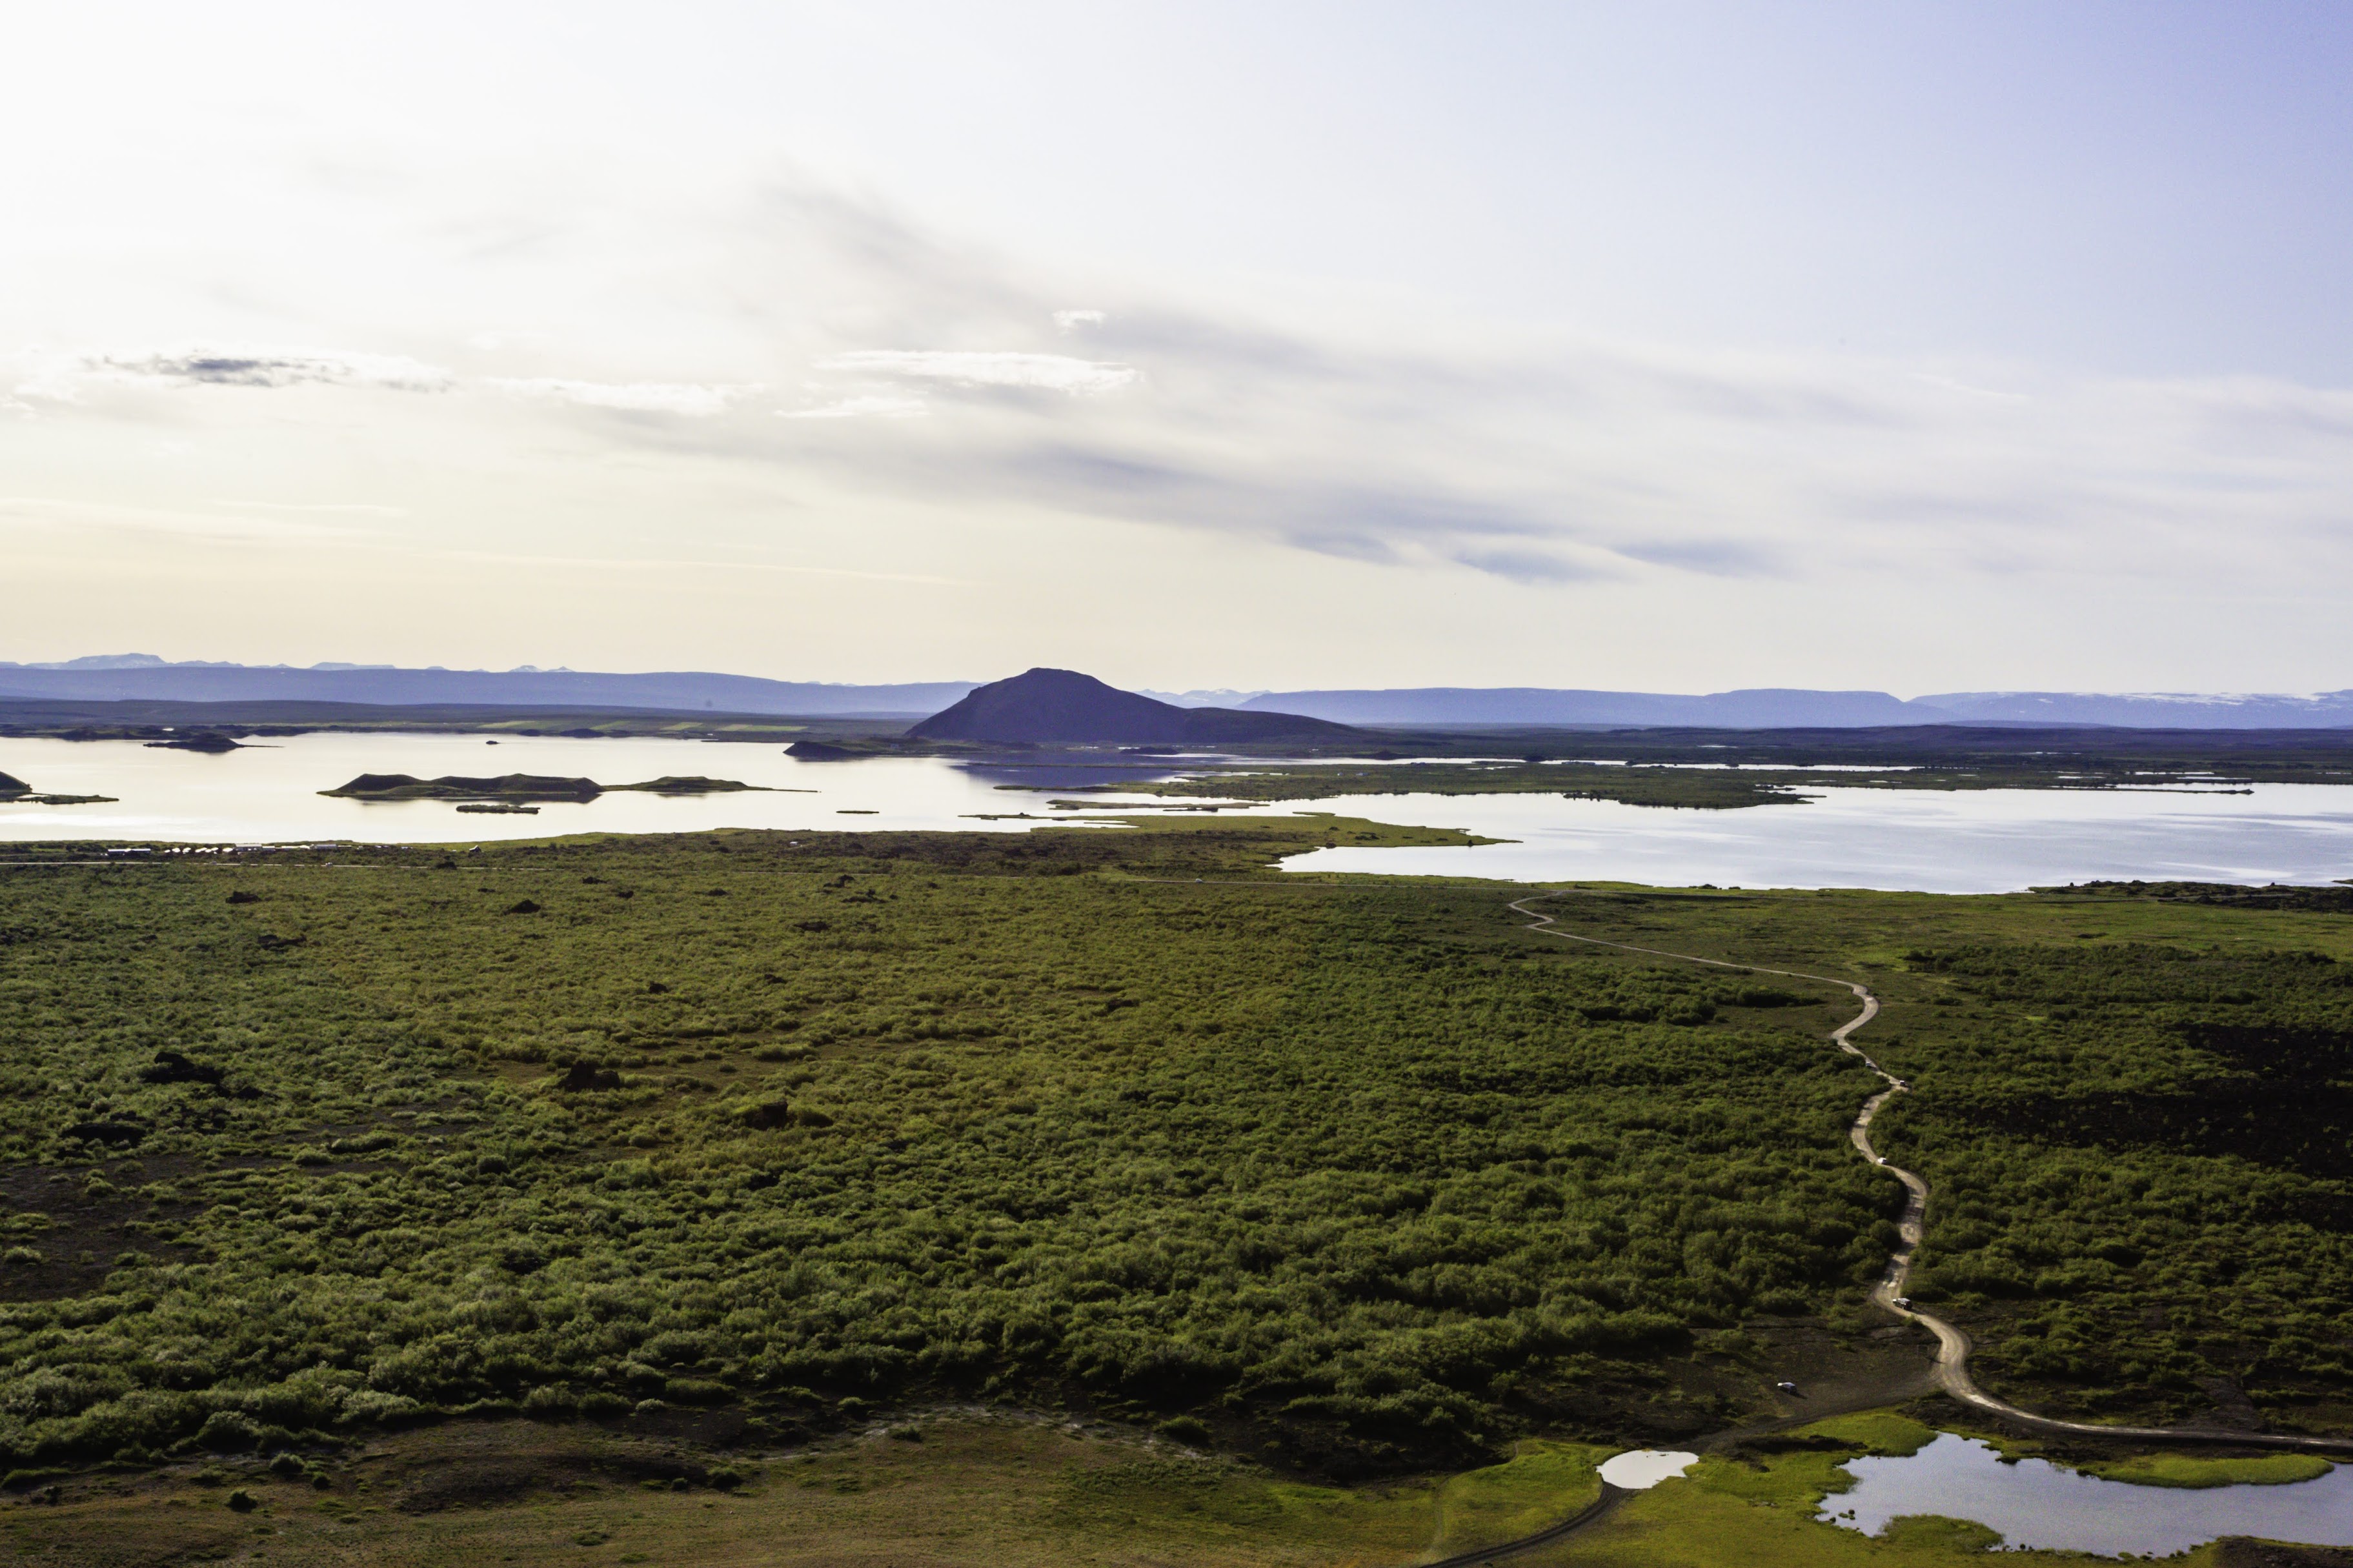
{"points": [[2036, 1504]]}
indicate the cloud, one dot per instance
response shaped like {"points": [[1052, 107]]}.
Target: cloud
{"points": [[214, 366], [1049, 372], [634, 397], [61, 378], [1527, 565], [1404, 445], [1711, 557], [874, 406]]}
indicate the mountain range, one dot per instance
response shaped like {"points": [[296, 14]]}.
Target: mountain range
{"points": [[135, 677]]}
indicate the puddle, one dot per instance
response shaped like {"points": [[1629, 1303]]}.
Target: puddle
{"points": [[1640, 1469], [2036, 1504]]}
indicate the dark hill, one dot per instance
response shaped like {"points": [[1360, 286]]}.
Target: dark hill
{"points": [[1062, 705]]}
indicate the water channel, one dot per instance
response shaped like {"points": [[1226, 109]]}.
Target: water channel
{"points": [[2034, 1503]]}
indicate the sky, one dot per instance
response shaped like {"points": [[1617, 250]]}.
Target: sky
{"points": [[1669, 347]]}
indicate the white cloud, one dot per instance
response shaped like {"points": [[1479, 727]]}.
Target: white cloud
{"points": [[1052, 373], [1498, 470], [218, 365], [636, 396], [874, 407]]}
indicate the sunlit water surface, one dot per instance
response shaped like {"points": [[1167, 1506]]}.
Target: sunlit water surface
{"points": [[1956, 842], [1961, 841], [268, 792], [2036, 1504]]}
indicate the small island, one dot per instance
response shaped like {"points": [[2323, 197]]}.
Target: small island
{"points": [[15, 791], [207, 741], [509, 789]]}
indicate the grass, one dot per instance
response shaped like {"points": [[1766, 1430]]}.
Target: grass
{"points": [[977, 1487], [974, 1490], [740, 1143], [2199, 1471], [1359, 1171], [1541, 1484]]}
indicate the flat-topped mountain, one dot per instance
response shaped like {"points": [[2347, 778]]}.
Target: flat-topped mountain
{"points": [[1065, 705]]}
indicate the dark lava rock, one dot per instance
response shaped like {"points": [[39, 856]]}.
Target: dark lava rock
{"points": [[769, 1115], [170, 1067], [117, 1133], [1062, 705], [242, 896], [522, 907], [270, 941], [581, 1077], [2242, 1552], [204, 742]]}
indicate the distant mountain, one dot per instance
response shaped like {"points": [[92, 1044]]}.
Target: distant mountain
{"points": [[1782, 708], [1224, 698], [2150, 709], [139, 676], [142, 677], [1045, 706], [1515, 705]]}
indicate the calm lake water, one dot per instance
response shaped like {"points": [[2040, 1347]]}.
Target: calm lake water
{"points": [[2036, 1504], [1977, 841], [268, 792], [1983, 841]]}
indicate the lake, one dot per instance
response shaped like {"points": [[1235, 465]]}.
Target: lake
{"points": [[2036, 1504], [1962, 841], [1958, 842]]}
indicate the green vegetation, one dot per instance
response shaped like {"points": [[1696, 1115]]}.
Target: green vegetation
{"points": [[1705, 789], [752, 1138], [1712, 786], [2199, 1470], [2132, 1110], [1357, 1170], [1540, 1485], [974, 1490]]}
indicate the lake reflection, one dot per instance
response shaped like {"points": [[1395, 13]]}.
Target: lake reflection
{"points": [[2036, 1504]]}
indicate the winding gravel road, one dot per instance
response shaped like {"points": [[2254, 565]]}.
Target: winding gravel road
{"points": [[1952, 1344]]}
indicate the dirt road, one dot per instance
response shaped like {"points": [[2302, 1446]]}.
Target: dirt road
{"points": [[1952, 1344]]}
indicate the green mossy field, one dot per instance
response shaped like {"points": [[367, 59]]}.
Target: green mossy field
{"points": [[747, 1141]]}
